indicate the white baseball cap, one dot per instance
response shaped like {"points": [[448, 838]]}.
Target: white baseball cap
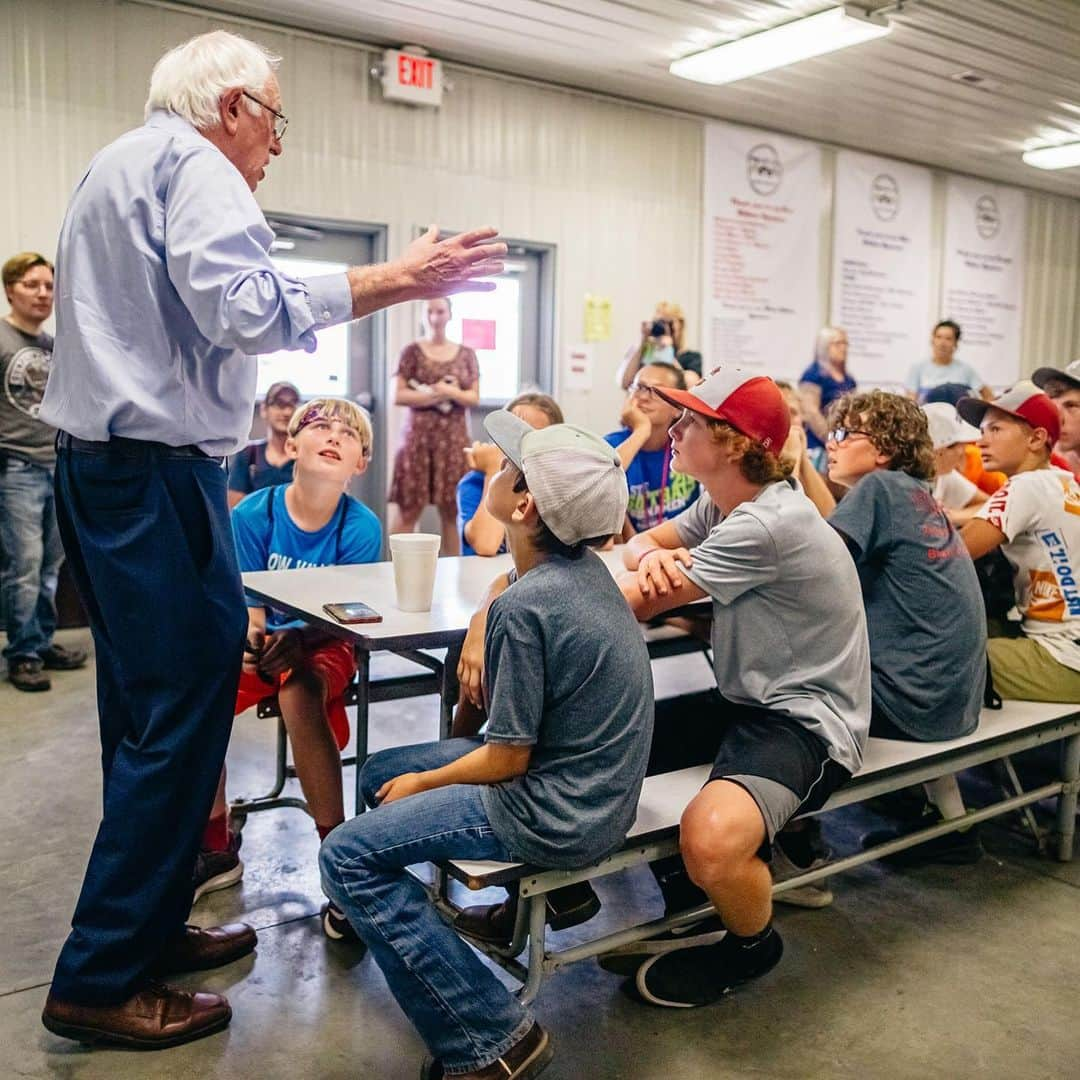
{"points": [[946, 427], [575, 478]]}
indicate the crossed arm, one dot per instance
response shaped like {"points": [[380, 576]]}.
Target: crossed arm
{"points": [[655, 580]]}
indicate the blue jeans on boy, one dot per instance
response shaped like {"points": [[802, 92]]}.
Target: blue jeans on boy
{"points": [[465, 1015], [30, 557]]}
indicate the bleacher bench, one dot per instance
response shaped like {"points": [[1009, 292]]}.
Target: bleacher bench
{"points": [[888, 765]]}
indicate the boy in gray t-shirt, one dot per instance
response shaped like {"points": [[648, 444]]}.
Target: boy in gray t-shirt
{"points": [[554, 782], [792, 671]]}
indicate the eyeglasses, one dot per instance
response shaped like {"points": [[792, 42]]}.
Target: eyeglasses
{"points": [[641, 388], [281, 121], [840, 434]]}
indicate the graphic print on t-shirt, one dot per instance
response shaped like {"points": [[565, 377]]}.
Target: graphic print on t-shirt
{"points": [[25, 378]]}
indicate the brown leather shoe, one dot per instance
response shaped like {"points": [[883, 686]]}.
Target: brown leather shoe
{"points": [[528, 1057], [566, 907], [155, 1018], [201, 949]]}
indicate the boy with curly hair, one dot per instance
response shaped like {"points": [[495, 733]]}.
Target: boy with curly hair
{"points": [[923, 605]]}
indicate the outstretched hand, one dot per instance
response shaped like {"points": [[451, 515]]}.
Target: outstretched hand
{"points": [[440, 267]]}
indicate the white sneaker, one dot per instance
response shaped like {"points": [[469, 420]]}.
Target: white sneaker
{"points": [[815, 895]]}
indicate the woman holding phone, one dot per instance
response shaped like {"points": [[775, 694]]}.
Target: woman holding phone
{"points": [[437, 380]]}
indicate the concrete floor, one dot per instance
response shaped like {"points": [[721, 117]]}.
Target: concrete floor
{"points": [[941, 972]]}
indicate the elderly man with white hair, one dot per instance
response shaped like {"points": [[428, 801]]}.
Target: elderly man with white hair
{"points": [[165, 289]]}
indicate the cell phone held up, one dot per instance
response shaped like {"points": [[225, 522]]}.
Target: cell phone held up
{"points": [[354, 612]]}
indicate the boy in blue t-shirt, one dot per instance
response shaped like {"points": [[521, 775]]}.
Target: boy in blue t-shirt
{"points": [[480, 533], [657, 491], [310, 522]]}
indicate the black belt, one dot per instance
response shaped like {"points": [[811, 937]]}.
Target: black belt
{"points": [[122, 447]]}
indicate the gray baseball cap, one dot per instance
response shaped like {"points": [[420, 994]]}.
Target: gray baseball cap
{"points": [[574, 476], [1070, 376]]}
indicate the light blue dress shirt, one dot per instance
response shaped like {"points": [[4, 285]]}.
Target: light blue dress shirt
{"points": [[164, 291]]}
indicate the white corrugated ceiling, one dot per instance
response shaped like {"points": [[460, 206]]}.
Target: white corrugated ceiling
{"points": [[897, 96]]}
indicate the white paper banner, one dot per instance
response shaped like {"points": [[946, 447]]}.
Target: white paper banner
{"points": [[983, 285], [762, 226], [881, 264]]}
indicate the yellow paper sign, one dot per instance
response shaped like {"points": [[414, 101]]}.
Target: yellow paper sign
{"points": [[597, 318]]}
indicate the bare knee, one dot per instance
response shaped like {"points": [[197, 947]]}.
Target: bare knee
{"points": [[720, 836]]}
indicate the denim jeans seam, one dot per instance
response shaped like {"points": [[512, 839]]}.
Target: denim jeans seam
{"points": [[443, 1006]]}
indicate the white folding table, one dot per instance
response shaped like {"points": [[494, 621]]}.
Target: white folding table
{"points": [[460, 585]]}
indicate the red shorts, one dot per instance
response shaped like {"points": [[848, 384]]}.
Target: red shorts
{"points": [[333, 663]]}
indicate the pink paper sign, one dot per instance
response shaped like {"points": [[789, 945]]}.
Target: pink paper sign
{"points": [[478, 333]]}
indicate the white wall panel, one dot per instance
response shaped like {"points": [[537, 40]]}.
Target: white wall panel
{"points": [[615, 187]]}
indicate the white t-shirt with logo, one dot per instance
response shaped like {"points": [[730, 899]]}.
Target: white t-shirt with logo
{"points": [[954, 491], [1039, 513]]}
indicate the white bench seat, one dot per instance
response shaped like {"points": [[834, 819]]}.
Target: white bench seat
{"points": [[888, 765]]}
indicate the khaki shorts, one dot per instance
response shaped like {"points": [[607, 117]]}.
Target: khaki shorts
{"points": [[1024, 671]]}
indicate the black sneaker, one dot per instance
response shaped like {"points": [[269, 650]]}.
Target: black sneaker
{"points": [[28, 675], [627, 959], [336, 927], [701, 975], [216, 870], [953, 849], [57, 658]]}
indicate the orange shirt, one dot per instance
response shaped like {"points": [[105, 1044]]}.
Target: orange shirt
{"points": [[982, 478]]}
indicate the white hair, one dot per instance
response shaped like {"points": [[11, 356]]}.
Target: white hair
{"points": [[190, 79]]}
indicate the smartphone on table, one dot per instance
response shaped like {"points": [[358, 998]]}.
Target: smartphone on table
{"points": [[354, 612]]}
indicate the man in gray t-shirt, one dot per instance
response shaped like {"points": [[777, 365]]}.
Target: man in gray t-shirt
{"points": [[791, 660], [556, 780], [30, 548]]}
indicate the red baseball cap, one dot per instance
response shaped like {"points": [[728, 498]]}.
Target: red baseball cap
{"points": [[1024, 400], [752, 404]]}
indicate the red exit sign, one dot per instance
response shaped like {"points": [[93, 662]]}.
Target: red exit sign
{"points": [[413, 79]]}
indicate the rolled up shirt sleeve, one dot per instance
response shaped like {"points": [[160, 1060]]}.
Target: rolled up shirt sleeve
{"points": [[217, 246]]}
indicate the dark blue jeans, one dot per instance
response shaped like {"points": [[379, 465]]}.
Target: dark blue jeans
{"points": [[465, 1015], [30, 557], [148, 540]]}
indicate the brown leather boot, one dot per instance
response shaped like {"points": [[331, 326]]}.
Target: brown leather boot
{"points": [[528, 1057], [566, 907], [199, 950], [157, 1017]]}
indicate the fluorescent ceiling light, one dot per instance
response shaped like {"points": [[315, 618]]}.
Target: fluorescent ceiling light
{"points": [[1066, 156], [836, 28]]}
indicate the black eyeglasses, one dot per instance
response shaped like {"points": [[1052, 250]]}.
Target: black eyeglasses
{"points": [[281, 121], [641, 388], [840, 434]]}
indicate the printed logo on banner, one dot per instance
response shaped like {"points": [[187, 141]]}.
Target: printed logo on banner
{"points": [[987, 217], [885, 197], [764, 169]]}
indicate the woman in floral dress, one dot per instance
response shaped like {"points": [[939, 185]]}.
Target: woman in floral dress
{"points": [[437, 380]]}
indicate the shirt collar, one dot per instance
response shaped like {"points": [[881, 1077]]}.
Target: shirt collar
{"points": [[170, 121]]}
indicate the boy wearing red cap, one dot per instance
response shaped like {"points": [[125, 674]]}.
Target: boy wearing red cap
{"points": [[1035, 520], [789, 718]]}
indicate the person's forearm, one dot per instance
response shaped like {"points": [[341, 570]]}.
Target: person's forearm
{"points": [[491, 763], [417, 399], [637, 546], [629, 447], [375, 287], [484, 533], [816, 423], [463, 397], [630, 366], [817, 491]]}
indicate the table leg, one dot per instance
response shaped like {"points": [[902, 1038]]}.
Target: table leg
{"points": [[451, 688], [363, 696]]}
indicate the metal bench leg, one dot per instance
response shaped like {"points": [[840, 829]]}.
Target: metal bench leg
{"points": [[273, 799], [1066, 807], [537, 947]]}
